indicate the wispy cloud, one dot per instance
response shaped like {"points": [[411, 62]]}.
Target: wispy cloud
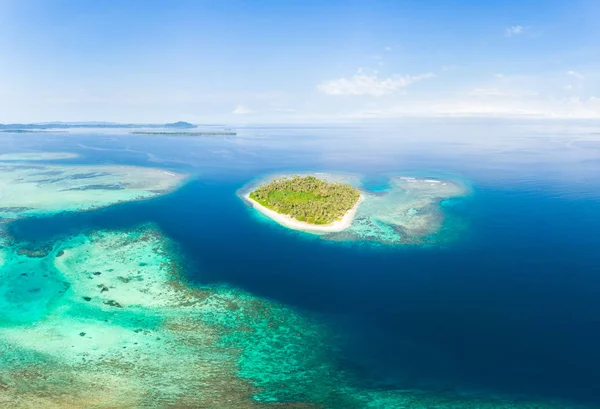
{"points": [[542, 108], [241, 110], [363, 84], [575, 74], [502, 93], [515, 31]]}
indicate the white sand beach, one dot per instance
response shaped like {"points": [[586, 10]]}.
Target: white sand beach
{"points": [[292, 223]]}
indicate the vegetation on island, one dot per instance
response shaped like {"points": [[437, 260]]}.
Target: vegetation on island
{"points": [[307, 198]]}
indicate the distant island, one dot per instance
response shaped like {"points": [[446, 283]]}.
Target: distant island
{"points": [[102, 125], [29, 131], [183, 133], [174, 129], [307, 203], [180, 125]]}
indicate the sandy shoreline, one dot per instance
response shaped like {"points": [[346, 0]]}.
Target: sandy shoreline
{"points": [[292, 223]]}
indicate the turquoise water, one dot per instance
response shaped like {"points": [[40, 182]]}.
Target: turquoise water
{"points": [[376, 184], [495, 307]]}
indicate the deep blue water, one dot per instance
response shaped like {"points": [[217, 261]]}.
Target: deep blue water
{"points": [[512, 307]]}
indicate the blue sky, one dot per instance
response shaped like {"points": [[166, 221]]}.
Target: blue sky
{"points": [[297, 61]]}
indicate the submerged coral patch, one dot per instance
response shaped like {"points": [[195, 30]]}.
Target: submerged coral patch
{"points": [[28, 156], [27, 189], [123, 326], [409, 211]]}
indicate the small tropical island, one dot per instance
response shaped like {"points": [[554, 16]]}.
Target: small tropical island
{"points": [[307, 203]]}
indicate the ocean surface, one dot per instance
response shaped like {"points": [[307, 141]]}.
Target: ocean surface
{"points": [[509, 307]]}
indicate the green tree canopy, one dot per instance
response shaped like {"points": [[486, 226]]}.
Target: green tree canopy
{"points": [[307, 198]]}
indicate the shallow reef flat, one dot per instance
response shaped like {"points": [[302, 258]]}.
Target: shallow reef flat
{"points": [[115, 326], [2, 253], [27, 156], [121, 331], [408, 211], [30, 188]]}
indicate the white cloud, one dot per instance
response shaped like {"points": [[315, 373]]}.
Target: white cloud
{"points": [[514, 31], [576, 75], [363, 84], [241, 110], [387, 48]]}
